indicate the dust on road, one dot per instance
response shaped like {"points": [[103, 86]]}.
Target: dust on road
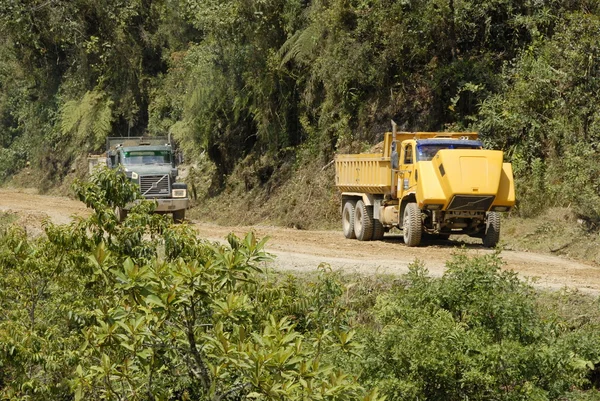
{"points": [[305, 250]]}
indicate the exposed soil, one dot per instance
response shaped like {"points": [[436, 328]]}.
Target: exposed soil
{"points": [[304, 250]]}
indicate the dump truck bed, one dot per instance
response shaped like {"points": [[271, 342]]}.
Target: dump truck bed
{"points": [[366, 172], [372, 172]]}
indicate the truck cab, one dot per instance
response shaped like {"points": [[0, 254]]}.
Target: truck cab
{"points": [[415, 152], [151, 163]]}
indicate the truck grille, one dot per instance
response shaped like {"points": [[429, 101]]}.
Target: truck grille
{"points": [[155, 186], [471, 203]]}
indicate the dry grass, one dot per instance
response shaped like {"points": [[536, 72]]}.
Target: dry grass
{"points": [[557, 231], [35, 178], [26, 178], [301, 197]]}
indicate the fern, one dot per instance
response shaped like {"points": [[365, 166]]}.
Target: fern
{"points": [[103, 121], [88, 120], [301, 45], [69, 117]]}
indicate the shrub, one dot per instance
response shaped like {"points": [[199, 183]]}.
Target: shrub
{"points": [[476, 333], [144, 310]]}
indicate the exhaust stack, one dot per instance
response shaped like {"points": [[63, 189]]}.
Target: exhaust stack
{"points": [[394, 155]]}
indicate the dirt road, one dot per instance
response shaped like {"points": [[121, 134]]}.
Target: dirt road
{"points": [[305, 250]]}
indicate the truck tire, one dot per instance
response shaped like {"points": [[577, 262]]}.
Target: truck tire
{"points": [[363, 221], [179, 216], [348, 219], [120, 213], [378, 230], [492, 230], [412, 226]]}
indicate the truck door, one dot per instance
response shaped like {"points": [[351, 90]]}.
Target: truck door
{"points": [[407, 159]]}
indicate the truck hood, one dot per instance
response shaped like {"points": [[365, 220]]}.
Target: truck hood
{"points": [[151, 169], [469, 171]]}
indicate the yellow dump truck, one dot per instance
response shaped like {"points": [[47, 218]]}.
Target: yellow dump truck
{"points": [[425, 183]]}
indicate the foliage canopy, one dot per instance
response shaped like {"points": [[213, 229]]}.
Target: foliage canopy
{"points": [[245, 79]]}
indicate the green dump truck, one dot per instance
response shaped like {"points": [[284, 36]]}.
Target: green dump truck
{"points": [[151, 163]]}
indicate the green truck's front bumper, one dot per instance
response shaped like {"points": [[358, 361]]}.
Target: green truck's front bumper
{"points": [[168, 205]]}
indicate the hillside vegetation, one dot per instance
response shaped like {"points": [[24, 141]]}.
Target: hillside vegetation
{"points": [[262, 87]]}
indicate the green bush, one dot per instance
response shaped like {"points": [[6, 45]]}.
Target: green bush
{"points": [[476, 333], [143, 310], [11, 162]]}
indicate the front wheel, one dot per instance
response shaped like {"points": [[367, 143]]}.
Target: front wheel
{"points": [[179, 216], [412, 226], [492, 230]]}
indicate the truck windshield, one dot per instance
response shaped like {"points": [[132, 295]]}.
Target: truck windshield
{"points": [[426, 152], [147, 157]]}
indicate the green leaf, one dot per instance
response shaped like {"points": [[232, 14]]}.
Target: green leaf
{"points": [[154, 299]]}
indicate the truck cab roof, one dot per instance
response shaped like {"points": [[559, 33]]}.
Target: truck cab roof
{"points": [[450, 143], [141, 148]]}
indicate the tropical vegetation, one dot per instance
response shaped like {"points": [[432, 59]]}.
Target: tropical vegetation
{"points": [[145, 310], [260, 83]]}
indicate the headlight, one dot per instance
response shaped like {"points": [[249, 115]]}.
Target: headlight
{"points": [[179, 193], [500, 208], [434, 207], [134, 175]]}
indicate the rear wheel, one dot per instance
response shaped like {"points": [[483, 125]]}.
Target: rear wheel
{"points": [[412, 226], [363, 221], [492, 230], [348, 219], [179, 216]]}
